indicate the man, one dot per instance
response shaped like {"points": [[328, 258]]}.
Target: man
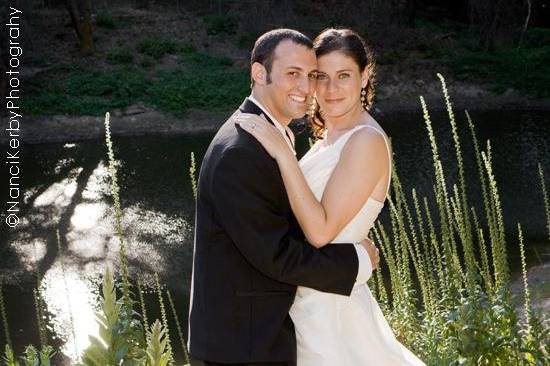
{"points": [[249, 251]]}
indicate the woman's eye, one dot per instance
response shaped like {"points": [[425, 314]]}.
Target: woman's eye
{"points": [[343, 76], [321, 77]]}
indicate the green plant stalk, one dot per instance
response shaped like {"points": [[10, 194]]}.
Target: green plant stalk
{"points": [[545, 198], [180, 333], [164, 319], [442, 269], [526, 294], [444, 210], [9, 357], [487, 202], [39, 317], [115, 191], [157, 352], [499, 249], [4, 317], [466, 235], [193, 175], [144, 319], [387, 255]]}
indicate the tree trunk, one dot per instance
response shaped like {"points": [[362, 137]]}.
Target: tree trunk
{"points": [[81, 19]]}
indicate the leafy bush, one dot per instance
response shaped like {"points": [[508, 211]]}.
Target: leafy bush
{"points": [[120, 55], [156, 47], [220, 24], [105, 20]]}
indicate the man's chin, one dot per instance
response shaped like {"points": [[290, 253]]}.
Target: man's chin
{"points": [[299, 114]]}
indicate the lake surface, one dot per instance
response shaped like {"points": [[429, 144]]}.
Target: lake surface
{"points": [[66, 191]]}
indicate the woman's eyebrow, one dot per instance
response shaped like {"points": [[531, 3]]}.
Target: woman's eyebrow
{"points": [[337, 72]]}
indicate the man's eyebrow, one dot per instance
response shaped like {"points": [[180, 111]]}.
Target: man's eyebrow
{"points": [[295, 68]]}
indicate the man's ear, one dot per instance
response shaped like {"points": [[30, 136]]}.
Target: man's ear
{"points": [[259, 73]]}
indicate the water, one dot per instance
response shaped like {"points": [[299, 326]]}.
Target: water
{"points": [[66, 190]]}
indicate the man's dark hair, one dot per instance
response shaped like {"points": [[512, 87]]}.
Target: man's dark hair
{"points": [[264, 48]]}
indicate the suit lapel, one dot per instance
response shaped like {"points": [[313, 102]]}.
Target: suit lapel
{"points": [[249, 106]]}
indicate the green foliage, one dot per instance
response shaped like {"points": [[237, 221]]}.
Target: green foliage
{"points": [[220, 24], [156, 47], [4, 315], [526, 69], [180, 333], [31, 356], [120, 340], [193, 175], [104, 20], [84, 91], [9, 357], [164, 319], [158, 353], [545, 199], [463, 306], [536, 37], [120, 56], [202, 81], [199, 81]]}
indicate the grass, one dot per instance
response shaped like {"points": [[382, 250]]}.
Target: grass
{"points": [[156, 47], [220, 24], [120, 56], [525, 68], [199, 81]]}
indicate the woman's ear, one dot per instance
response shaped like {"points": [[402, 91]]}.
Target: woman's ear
{"points": [[364, 78], [259, 73]]}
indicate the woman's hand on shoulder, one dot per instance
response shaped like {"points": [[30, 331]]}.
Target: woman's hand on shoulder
{"points": [[267, 134]]}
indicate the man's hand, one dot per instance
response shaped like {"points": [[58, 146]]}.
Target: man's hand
{"points": [[373, 252]]}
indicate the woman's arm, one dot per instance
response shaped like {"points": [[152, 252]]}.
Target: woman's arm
{"points": [[363, 162]]}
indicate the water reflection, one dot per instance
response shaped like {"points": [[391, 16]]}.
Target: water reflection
{"points": [[69, 300]]}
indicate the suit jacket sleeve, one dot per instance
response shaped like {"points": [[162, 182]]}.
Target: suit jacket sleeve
{"points": [[248, 210]]}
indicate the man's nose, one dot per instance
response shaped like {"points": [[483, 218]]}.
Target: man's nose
{"points": [[305, 85]]}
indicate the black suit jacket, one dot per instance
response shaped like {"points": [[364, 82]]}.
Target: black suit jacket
{"points": [[250, 255]]}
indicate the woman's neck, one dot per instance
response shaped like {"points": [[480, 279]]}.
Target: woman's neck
{"points": [[345, 122]]}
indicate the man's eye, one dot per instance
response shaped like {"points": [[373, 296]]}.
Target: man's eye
{"points": [[343, 76], [312, 75], [293, 73]]}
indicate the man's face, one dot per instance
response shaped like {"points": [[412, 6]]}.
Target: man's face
{"points": [[292, 81]]}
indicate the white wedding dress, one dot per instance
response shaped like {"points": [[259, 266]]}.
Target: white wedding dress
{"points": [[334, 330]]}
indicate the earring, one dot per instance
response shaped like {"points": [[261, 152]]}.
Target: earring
{"points": [[312, 108], [364, 98]]}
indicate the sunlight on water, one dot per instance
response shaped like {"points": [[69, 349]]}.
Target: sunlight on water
{"points": [[31, 252], [68, 299], [58, 194]]}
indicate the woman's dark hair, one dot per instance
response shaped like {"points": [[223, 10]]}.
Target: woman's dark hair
{"points": [[352, 45]]}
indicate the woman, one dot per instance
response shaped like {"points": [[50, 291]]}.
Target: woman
{"points": [[337, 191]]}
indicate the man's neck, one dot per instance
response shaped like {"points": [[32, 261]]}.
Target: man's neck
{"points": [[264, 101]]}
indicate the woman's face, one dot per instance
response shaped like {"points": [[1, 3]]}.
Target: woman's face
{"points": [[339, 83]]}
